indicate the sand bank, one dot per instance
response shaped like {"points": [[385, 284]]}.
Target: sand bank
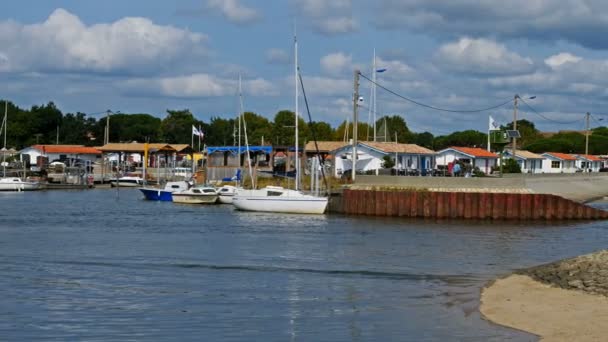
{"points": [[561, 303]]}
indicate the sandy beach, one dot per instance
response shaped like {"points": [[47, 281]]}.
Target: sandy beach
{"points": [[562, 301]]}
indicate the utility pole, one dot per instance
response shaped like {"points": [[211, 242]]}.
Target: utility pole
{"points": [[107, 135], [514, 143], [587, 139], [355, 123]]}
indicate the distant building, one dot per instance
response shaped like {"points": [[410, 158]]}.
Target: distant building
{"points": [[528, 162], [40, 154], [408, 158], [476, 157], [588, 163], [559, 163]]}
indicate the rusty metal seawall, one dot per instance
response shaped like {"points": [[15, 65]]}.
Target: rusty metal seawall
{"points": [[465, 205]]}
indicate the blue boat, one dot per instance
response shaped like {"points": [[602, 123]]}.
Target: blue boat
{"points": [[166, 193]]}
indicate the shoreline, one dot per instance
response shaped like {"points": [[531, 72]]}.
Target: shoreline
{"points": [[561, 301]]}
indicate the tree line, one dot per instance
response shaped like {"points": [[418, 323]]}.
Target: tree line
{"points": [[46, 124]]}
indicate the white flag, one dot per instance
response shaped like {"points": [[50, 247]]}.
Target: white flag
{"points": [[195, 131], [493, 125]]}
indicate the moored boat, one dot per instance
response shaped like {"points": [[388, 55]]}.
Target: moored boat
{"points": [[226, 193], [279, 200], [16, 184], [127, 182], [166, 193], [196, 195]]}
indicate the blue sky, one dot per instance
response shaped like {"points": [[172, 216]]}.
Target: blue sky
{"points": [[148, 56]]}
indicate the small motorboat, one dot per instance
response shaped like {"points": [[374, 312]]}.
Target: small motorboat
{"points": [[196, 195], [16, 184], [226, 193], [166, 193], [127, 182]]}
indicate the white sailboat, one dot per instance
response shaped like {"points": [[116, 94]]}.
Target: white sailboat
{"points": [[278, 199], [226, 192], [12, 183]]}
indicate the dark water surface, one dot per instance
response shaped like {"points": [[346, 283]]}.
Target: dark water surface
{"points": [[102, 265]]}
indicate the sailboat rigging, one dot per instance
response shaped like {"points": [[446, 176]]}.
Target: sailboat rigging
{"points": [[278, 199], [12, 183]]}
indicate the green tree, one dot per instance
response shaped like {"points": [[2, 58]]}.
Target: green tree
{"points": [[283, 129], [222, 132], [387, 126], [468, 138], [77, 129], [527, 130], [258, 128], [322, 131], [362, 128], [136, 127], [176, 127], [425, 139]]}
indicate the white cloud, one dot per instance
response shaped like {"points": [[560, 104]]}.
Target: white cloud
{"points": [[581, 22], [481, 56], [195, 85], [561, 58], [64, 43], [277, 56], [326, 86], [234, 11], [336, 63], [328, 17]]}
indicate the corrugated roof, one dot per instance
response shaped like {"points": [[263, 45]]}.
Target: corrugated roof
{"points": [[67, 149], [562, 156], [325, 146], [527, 154], [474, 151], [589, 157], [391, 147], [135, 147]]}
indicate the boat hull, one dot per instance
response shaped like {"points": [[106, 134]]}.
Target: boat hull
{"points": [[226, 199], [20, 186], [194, 199], [157, 194], [290, 202]]}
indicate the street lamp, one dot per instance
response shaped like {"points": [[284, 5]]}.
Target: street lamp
{"points": [[514, 142]]}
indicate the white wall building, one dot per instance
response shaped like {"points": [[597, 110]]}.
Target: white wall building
{"points": [[370, 156], [588, 163], [559, 162], [476, 157], [59, 152], [528, 162]]}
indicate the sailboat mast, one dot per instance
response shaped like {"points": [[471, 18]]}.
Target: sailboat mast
{"points": [[374, 91], [240, 109], [295, 39], [4, 123]]}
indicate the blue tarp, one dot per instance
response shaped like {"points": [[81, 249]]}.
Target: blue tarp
{"points": [[235, 149]]}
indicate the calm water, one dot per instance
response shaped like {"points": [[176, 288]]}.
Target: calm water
{"points": [[105, 265]]}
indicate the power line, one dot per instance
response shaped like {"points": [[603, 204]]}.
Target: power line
{"points": [[433, 107], [547, 118]]}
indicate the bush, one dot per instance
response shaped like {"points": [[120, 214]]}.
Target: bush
{"points": [[510, 166], [388, 162]]}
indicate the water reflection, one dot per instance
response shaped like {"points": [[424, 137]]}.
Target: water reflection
{"points": [[93, 266]]}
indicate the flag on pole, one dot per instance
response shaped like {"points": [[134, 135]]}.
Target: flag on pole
{"points": [[493, 126], [381, 70], [196, 132]]}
